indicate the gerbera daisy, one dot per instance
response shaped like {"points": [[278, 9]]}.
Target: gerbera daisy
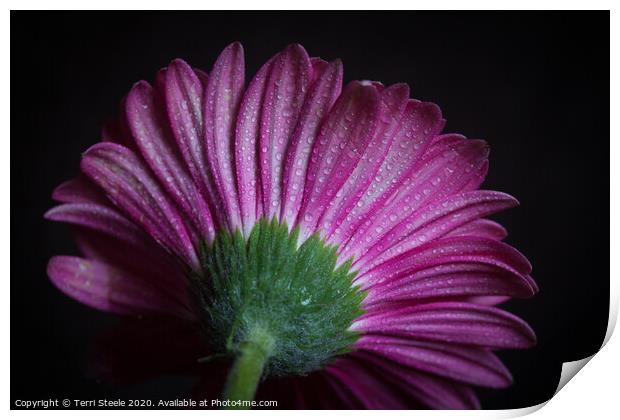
{"points": [[314, 235]]}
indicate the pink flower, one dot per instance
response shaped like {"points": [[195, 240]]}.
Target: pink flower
{"points": [[362, 262]]}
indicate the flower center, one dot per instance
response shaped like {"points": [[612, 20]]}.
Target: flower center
{"points": [[269, 299]]}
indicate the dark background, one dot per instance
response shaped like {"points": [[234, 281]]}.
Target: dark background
{"points": [[534, 85]]}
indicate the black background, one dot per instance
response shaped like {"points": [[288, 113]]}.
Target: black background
{"points": [[534, 85]]}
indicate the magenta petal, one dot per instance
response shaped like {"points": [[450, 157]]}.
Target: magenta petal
{"points": [[246, 148], [79, 190], [184, 94], [450, 322], [284, 96], [370, 389], [455, 280], [149, 128], [107, 288], [446, 171], [428, 223], [321, 96], [488, 300], [318, 67], [128, 183], [482, 228], [350, 195], [335, 389], [472, 365], [450, 267], [147, 260], [417, 126], [344, 137], [99, 218], [184, 105], [142, 253], [532, 283], [445, 252], [203, 76], [222, 98], [431, 391]]}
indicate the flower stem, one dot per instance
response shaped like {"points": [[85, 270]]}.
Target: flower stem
{"points": [[248, 368]]}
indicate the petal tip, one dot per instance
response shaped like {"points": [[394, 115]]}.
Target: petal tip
{"points": [[234, 48], [55, 268], [178, 62], [482, 147], [336, 62], [51, 213]]}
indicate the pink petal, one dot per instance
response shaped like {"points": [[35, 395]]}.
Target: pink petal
{"points": [[222, 98], [482, 228], [393, 102], [203, 76], [445, 171], [147, 261], [100, 218], [440, 253], [341, 391], [321, 96], [128, 183], [149, 127], [466, 364], [449, 281], [107, 288], [184, 104], [450, 322], [130, 247], [367, 387], [453, 266], [318, 67], [428, 223], [79, 190], [342, 142], [246, 148], [432, 391], [488, 300], [284, 96], [418, 124]]}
